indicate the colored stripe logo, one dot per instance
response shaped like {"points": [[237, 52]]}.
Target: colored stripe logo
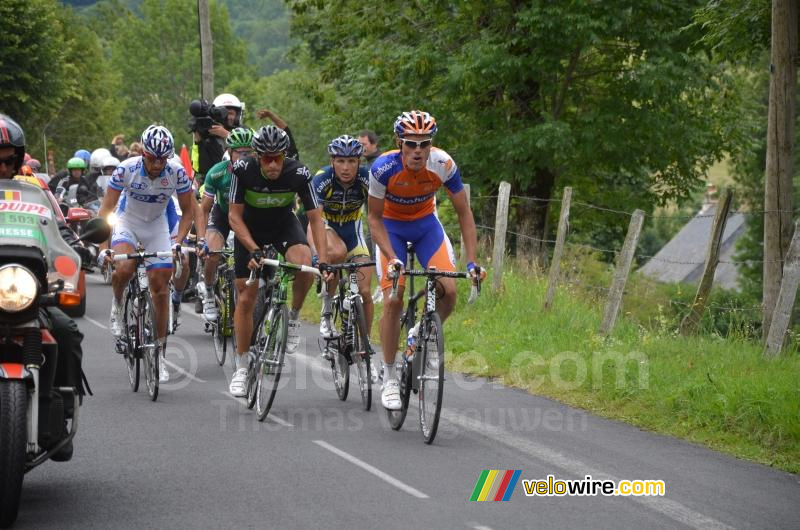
{"points": [[496, 485], [12, 196]]}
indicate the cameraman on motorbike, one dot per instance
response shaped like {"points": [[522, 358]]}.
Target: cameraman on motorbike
{"points": [[210, 125], [63, 328]]}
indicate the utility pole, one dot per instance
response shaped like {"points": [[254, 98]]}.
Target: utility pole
{"points": [[778, 224], [206, 51]]}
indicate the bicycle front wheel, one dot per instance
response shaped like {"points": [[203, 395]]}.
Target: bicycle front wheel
{"points": [[360, 354], [431, 370], [271, 362], [218, 332], [150, 350], [130, 341]]}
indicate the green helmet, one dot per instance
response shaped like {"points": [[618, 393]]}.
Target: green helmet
{"points": [[76, 163], [239, 137]]}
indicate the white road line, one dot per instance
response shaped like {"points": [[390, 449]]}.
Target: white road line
{"points": [[372, 469], [95, 322], [272, 417], [479, 527], [184, 372], [672, 509]]}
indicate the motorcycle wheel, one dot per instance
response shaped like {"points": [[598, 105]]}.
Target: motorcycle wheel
{"points": [[13, 434]]}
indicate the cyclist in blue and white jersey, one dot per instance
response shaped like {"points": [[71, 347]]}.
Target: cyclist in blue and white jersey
{"points": [[147, 182]]}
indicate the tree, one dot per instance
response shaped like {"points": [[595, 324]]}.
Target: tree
{"points": [[613, 98]]}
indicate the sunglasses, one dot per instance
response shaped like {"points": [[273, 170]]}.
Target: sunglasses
{"points": [[10, 161], [158, 159], [416, 144], [269, 158]]}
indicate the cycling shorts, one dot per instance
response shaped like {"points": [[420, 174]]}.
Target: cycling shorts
{"points": [[431, 245], [218, 222], [282, 236], [352, 234], [154, 236]]}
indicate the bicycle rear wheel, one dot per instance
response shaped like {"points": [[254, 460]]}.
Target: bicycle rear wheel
{"points": [[218, 331], [360, 354], [271, 364], [431, 370], [150, 347], [130, 342]]}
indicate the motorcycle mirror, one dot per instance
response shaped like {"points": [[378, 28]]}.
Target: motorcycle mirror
{"points": [[96, 231], [77, 214]]}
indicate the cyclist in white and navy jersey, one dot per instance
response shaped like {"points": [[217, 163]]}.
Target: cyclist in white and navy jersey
{"points": [[146, 183]]}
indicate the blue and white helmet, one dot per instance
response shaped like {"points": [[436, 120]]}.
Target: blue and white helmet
{"points": [[157, 141], [346, 146]]}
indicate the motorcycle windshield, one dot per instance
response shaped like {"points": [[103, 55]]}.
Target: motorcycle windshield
{"points": [[27, 219]]}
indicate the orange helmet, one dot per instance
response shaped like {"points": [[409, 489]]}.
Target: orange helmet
{"points": [[415, 122]]}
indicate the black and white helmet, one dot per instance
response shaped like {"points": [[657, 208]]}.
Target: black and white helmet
{"points": [[270, 139]]}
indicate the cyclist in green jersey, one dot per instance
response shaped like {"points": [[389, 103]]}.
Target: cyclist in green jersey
{"points": [[215, 213]]}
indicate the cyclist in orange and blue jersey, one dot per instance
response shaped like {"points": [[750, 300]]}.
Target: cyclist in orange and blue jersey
{"points": [[402, 187]]}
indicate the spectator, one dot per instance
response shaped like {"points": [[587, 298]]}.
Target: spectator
{"points": [[135, 150], [369, 140], [117, 145]]}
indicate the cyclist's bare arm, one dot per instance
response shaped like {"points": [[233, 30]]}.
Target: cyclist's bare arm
{"points": [[205, 209], [318, 231], [467, 223], [200, 220], [236, 221], [188, 207], [379, 235], [109, 202]]}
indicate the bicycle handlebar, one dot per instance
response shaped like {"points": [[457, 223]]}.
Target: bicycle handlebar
{"points": [[432, 273], [284, 265], [139, 256]]}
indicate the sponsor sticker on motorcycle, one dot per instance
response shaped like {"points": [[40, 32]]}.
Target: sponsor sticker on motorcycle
{"points": [[24, 233], [25, 207]]}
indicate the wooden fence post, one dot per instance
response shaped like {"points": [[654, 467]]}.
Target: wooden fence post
{"points": [[786, 297], [621, 271], [692, 320], [462, 250], [500, 227], [555, 265]]}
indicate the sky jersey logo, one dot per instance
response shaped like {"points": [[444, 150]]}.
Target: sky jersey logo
{"points": [[495, 485]]}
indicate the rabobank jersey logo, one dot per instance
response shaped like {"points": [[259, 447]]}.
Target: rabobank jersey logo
{"points": [[495, 485]]}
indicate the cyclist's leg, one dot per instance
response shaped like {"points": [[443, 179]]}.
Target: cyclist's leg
{"points": [[123, 241], [216, 234], [159, 272], [292, 243], [390, 319], [435, 250], [352, 235], [337, 253], [245, 301]]}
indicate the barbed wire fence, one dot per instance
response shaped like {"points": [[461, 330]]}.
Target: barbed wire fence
{"points": [[565, 271]]}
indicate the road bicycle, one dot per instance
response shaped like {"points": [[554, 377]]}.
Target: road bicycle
{"points": [[222, 329], [422, 370], [139, 342], [269, 336], [350, 345]]}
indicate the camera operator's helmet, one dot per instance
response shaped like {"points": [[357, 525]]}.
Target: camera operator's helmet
{"points": [[157, 141], [35, 165], [228, 100], [240, 137], [98, 155], [76, 163], [415, 122], [270, 139], [345, 146], [11, 135], [84, 155]]}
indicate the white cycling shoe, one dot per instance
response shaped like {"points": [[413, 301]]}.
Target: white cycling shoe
{"points": [[238, 386], [390, 395], [115, 320], [293, 337]]}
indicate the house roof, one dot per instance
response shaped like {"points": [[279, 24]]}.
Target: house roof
{"points": [[683, 258]]}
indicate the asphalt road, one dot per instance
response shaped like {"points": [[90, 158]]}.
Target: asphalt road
{"points": [[198, 458]]}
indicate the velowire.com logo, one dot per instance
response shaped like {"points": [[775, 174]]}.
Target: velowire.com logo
{"points": [[496, 485]]}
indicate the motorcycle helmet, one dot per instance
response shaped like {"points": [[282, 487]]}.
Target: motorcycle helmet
{"points": [[11, 135], [97, 157], [231, 102], [84, 155], [76, 163]]}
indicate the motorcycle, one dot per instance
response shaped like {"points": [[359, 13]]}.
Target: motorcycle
{"points": [[37, 270]]}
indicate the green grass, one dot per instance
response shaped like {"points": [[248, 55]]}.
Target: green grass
{"points": [[707, 389]]}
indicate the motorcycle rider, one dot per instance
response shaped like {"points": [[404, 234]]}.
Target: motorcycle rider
{"points": [[63, 328], [76, 168]]}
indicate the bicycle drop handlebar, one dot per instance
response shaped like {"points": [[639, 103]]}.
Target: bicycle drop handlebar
{"points": [[432, 273]]}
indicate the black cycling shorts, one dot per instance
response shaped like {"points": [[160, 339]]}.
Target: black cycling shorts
{"points": [[281, 235], [218, 221]]}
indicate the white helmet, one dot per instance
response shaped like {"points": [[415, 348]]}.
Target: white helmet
{"points": [[110, 161], [98, 156], [228, 100]]}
